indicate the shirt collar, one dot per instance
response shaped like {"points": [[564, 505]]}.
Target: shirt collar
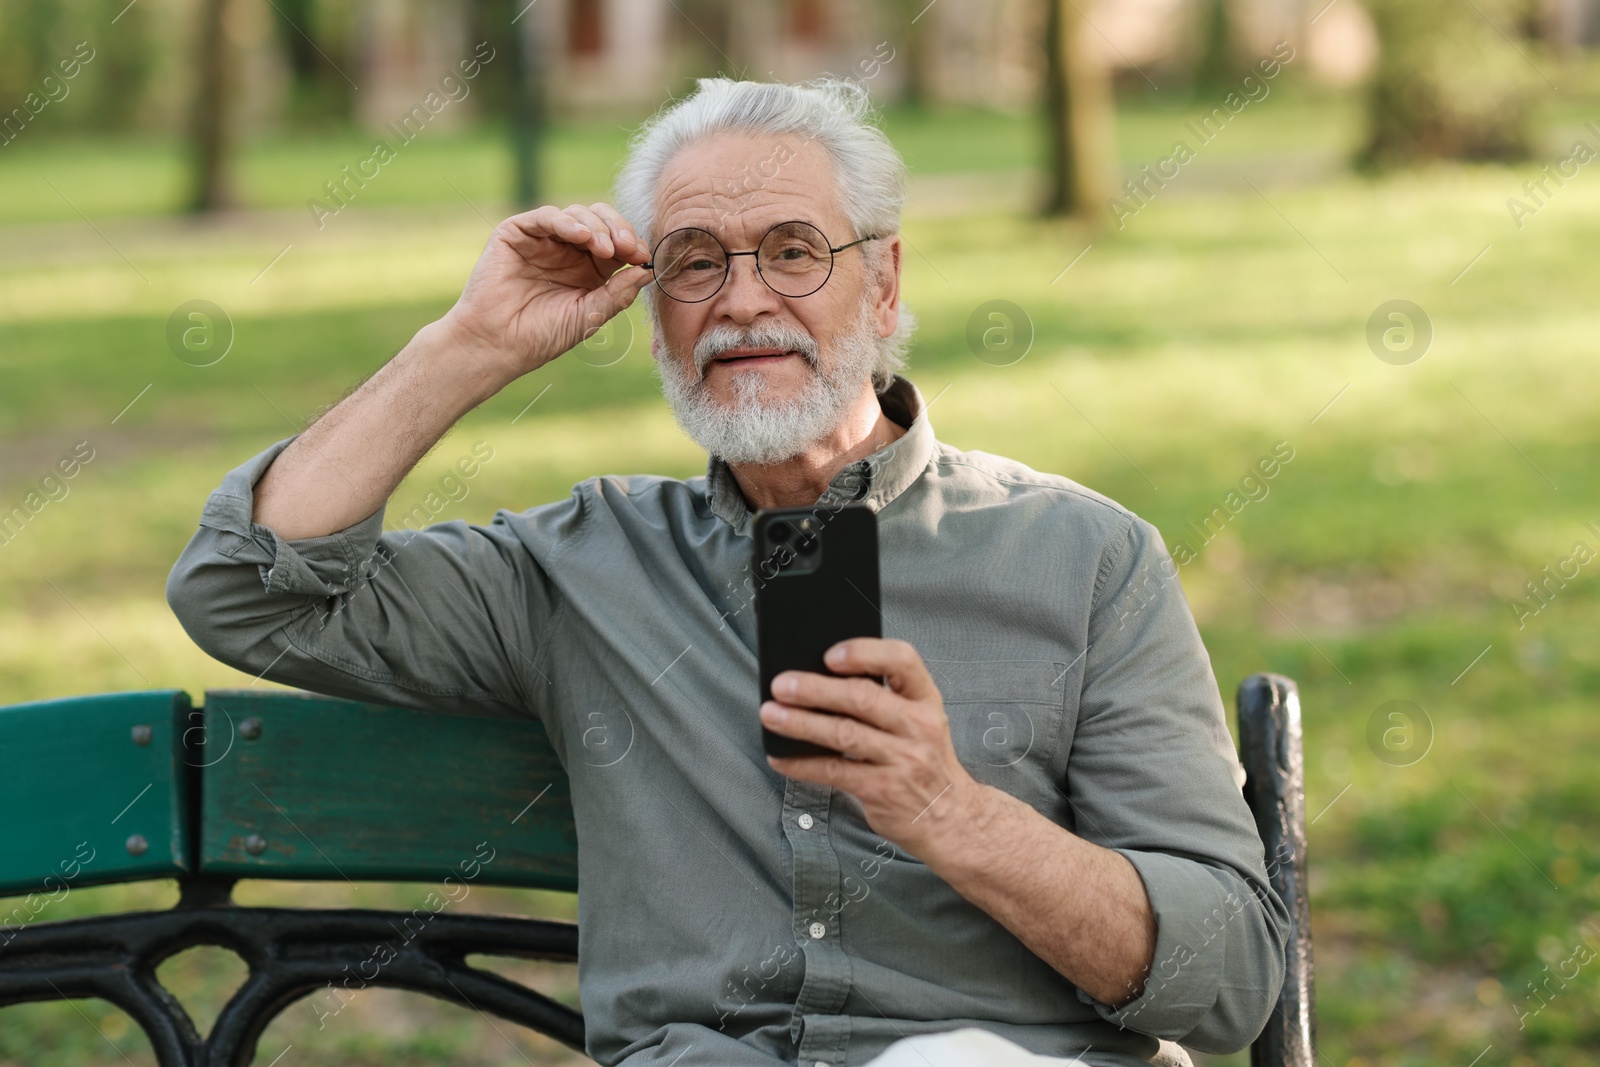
{"points": [[872, 480]]}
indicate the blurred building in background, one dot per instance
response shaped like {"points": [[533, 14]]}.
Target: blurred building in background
{"points": [[302, 64], [627, 55]]}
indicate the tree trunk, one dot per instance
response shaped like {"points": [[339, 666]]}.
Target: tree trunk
{"points": [[316, 43], [1219, 65], [212, 143], [1078, 109], [1451, 83], [525, 103], [914, 47]]}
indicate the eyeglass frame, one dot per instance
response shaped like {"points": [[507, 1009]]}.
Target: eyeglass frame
{"points": [[727, 267]]}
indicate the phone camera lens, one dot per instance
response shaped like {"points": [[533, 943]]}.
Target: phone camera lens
{"points": [[808, 546], [778, 532]]}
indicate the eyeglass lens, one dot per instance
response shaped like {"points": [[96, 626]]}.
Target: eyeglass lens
{"points": [[793, 259]]}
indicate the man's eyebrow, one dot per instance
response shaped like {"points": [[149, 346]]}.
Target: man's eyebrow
{"points": [[664, 229]]}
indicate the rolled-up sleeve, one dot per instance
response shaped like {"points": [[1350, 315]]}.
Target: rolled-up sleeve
{"points": [[1154, 775], [448, 614]]}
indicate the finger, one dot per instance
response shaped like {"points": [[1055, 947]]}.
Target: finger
{"points": [[604, 301], [601, 244], [894, 659], [861, 698], [629, 246], [547, 222], [838, 732], [848, 775]]}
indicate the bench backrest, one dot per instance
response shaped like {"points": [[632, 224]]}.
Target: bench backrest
{"points": [[314, 787], [271, 784], [1275, 789], [93, 789]]}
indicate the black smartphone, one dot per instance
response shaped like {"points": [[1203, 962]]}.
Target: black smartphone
{"points": [[816, 579]]}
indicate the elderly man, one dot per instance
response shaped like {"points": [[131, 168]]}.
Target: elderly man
{"points": [[1037, 841]]}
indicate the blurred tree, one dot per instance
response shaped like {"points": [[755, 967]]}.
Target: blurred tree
{"points": [[1078, 109], [107, 93], [1221, 61], [27, 31], [1453, 81], [703, 35], [316, 39], [528, 118], [912, 44], [120, 76], [211, 140], [513, 29]]}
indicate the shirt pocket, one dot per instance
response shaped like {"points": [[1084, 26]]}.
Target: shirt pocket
{"points": [[1005, 721]]}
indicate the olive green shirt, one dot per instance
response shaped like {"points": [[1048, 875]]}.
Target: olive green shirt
{"points": [[731, 916]]}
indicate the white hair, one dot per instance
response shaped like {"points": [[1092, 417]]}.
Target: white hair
{"points": [[835, 112]]}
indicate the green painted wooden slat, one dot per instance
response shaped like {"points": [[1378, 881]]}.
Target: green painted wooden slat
{"points": [[78, 790], [333, 789]]}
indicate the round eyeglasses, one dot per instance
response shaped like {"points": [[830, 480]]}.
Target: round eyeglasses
{"points": [[793, 258]]}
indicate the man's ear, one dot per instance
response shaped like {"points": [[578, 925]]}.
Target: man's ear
{"points": [[887, 305]]}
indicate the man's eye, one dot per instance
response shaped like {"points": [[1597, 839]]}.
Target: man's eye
{"points": [[703, 264]]}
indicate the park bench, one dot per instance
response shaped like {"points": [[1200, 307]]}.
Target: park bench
{"points": [[125, 787]]}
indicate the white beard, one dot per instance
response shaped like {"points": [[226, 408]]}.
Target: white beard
{"points": [[756, 432]]}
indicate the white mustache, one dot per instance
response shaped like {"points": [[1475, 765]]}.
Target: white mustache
{"points": [[721, 338]]}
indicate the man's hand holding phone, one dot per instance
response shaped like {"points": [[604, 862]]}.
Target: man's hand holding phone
{"points": [[901, 764]]}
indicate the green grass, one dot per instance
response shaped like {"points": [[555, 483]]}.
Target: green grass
{"points": [[51, 178], [1220, 321]]}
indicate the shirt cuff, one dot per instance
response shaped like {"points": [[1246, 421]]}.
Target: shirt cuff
{"points": [[313, 566], [1192, 911]]}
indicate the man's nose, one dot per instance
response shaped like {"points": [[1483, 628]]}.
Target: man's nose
{"points": [[744, 296]]}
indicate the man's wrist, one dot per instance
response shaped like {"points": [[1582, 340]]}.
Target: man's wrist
{"points": [[961, 827], [484, 369]]}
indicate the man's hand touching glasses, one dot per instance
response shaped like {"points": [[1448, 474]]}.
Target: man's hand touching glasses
{"points": [[546, 281]]}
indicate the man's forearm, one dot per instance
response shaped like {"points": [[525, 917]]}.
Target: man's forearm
{"points": [[1079, 907], [545, 281], [349, 461]]}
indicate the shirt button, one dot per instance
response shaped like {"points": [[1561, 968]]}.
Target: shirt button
{"points": [[817, 930], [805, 822]]}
